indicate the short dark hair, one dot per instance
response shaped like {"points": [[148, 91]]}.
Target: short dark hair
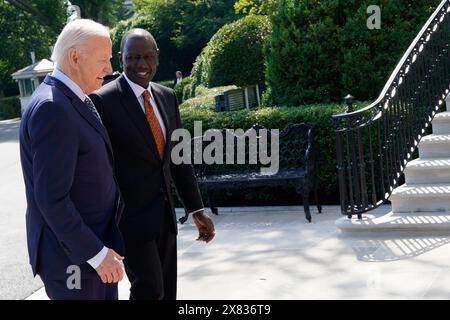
{"points": [[136, 32]]}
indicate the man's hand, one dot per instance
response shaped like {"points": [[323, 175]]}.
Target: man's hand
{"points": [[204, 225], [110, 270]]}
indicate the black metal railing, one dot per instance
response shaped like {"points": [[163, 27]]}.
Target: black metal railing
{"points": [[374, 144]]}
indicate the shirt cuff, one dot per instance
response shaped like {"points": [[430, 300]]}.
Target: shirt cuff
{"points": [[98, 258], [197, 211]]}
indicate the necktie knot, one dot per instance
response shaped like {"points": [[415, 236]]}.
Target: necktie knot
{"points": [[146, 95]]}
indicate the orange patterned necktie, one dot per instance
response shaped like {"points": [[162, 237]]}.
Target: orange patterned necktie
{"points": [[154, 124]]}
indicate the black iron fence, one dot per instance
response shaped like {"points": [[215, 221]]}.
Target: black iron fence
{"points": [[374, 144]]}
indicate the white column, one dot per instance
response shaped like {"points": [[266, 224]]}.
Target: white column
{"points": [[257, 95], [246, 97], [447, 102]]}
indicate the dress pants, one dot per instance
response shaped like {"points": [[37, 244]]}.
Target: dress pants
{"points": [[90, 289], [151, 266]]}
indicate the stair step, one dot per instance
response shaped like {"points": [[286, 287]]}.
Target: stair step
{"points": [[441, 123], [435, 146], [417, 221], [427, 171], [421, 198]]}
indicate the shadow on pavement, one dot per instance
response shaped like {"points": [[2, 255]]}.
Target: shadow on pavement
{"points": [[394, 246]]}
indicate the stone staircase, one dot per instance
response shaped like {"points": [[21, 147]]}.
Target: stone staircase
{"points": [[423, 202]]}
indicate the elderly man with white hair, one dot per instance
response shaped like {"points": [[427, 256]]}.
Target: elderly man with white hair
{"points": [[73, 201]]}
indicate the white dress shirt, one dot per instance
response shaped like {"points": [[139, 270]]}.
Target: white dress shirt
{"points": [[58, 74], [138, 91]]}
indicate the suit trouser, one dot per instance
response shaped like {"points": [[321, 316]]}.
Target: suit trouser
{"points": [[90, 289], [151, 266]]}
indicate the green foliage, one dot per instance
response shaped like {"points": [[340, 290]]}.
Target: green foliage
{"points": [[49, 14], [106, 12], [373, 54], [279, 118], [181, 29], [179, 88], [166, 83], [187, 91], [204, 97], [234, 55], [25, 29], [10, 108], [255, 7], [321, 50]]}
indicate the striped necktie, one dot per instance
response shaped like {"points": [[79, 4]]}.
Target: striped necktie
{"points": [[93, 109]]}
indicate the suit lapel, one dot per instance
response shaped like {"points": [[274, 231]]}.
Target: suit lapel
{"points": [[133, 108], [82, 109], [160, 103]]}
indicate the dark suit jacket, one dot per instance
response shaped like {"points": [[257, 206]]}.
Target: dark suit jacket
{"points": [[144, 179], [72, 196]]}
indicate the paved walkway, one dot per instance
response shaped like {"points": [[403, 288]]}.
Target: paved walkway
{"points": [[272, 253], [258, 253]]}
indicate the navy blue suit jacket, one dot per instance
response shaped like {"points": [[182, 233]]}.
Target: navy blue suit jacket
{"points": [[73, 200]]}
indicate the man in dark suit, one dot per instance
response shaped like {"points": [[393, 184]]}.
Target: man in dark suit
{"points": [[140, 117], [73, 199]]}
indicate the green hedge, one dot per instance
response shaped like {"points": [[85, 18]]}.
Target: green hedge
{"points": [[179, 89], [277, 118], [166, 83], [10, 108], [204, 97], [321, 50], [234, 54]]}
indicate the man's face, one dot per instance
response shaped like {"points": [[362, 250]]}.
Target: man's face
{"points": [[94, 63], [139, 59]]}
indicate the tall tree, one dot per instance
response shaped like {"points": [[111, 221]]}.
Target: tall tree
{"points": [[181, 29], [23, 30], [255, 7], [106, 12], [46, 13]]}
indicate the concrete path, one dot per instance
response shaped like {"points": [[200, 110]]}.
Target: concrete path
{"points": [[16, 281], [258, 253], [272, 253]]}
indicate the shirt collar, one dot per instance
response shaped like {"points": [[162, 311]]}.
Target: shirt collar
{"points": [[58, 74], [137, 89]]}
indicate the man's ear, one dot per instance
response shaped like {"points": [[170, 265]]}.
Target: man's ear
{"points": [[119, 54], [74, 58]]}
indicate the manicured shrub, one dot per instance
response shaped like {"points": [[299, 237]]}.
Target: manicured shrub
{"points": [[10, 108], [321, 50], [234, 55]]}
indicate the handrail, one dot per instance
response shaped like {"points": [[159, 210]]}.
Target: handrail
{"points": [[374, 144]]}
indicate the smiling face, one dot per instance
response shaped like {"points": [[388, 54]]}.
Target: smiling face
{"points": [[93, 63], [139, 59]]}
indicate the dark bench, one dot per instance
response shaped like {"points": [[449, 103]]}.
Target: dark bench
{"points": [[297, 166]]}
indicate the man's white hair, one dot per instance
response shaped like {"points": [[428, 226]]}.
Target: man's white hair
{"points": [[74, 34]]}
